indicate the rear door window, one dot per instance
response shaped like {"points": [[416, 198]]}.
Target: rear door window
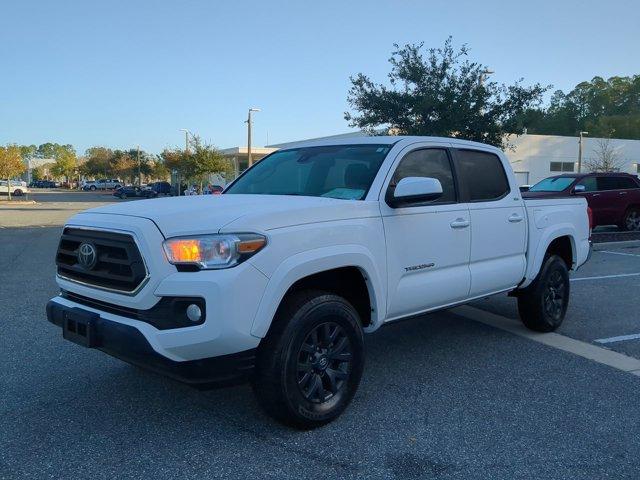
{"points": [[616, 183], [482, 175]]}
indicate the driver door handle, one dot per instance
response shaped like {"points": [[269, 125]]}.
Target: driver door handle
{"points": [[514, 218], [459, 223]]}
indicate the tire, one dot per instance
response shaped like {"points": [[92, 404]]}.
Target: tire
{"points": [[17, 192], [631, 220], [543, 304], [93, 188], [296, 383], [123, 196]]}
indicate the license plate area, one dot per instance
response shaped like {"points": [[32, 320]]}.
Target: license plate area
{"points": [[79, 326]]}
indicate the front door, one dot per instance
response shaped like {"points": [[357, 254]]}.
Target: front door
{"points": [[428, 243]]}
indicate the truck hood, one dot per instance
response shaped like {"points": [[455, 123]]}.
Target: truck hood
{"points": [[193, 215]]}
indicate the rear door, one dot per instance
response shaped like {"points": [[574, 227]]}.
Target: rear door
{"points": [[610, 200], [498, 227]]}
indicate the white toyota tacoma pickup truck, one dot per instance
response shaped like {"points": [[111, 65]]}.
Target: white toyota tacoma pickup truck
{"points": [[276, 280]]}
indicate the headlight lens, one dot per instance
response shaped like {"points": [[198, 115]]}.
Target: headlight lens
{"points": [[213, 251]]}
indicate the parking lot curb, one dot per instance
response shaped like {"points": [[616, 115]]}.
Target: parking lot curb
{"points": [[608, 245]]}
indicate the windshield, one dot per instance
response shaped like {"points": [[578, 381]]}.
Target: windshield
{"points": [[552, 184], [338, 171]]}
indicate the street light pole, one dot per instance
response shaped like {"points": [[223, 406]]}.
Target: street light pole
{"points": [[249, 159], [580, 151], [138, 158], [186, 150], [483, 75]]}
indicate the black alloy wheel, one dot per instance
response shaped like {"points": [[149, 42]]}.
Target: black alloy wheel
{"points": [[554, 296], [324, 362]]}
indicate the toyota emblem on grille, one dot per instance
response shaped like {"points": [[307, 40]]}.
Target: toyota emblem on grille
{"points": [[87, 255]]}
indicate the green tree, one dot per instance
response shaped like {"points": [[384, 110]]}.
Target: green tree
{"points": [[98, 162], [439, 92], [11, 164], [53, 150], [205, 160], [65, 165], [604, 108]]}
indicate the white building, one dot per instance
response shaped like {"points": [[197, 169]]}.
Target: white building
{"points": [[533, 157]]}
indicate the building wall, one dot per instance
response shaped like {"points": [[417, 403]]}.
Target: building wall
{"points": [[532, 155]]}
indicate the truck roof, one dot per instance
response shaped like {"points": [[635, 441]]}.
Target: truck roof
{"points": [[385, 140]]}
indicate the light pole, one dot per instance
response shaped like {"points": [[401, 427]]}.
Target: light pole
{"points": [[186, 150], [186, 139], [484, 74], [138, 158], [580, 151], [249, 135]]}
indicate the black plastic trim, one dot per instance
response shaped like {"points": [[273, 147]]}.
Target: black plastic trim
{"points": [[129, 344], [167, 314]]}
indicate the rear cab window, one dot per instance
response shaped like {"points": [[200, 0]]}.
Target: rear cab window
{"points": [[482, 175]]}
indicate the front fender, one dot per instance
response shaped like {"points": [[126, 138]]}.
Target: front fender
{"points": [[314, 261]]}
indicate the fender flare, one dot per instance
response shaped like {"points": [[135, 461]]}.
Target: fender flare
{"points": [[549, 235], [314, 261]]}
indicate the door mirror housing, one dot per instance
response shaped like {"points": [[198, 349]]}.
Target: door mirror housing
{"points": [[579, 189], [415, 189]]}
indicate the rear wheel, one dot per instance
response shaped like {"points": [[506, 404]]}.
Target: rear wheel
{"points": [[631, 220], [308, 367], [543, 304], [18, 192]]}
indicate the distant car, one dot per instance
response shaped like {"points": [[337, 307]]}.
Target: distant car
{"points": [[157, 188], [216, 189], [102, 184], [16, 189], [46, 184], [614, 198], [129, 191]]}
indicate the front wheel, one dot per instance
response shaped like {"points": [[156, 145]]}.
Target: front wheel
{"points": [[93, 188], [309, 365], [18, 192], [543, 304]]}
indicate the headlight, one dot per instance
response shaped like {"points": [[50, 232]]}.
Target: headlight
{"points": [[213, 251]]}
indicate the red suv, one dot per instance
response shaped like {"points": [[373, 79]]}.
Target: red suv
{"points": [[614, 198]]}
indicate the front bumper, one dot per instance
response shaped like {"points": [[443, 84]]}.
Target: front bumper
{"points": [[127, 343]]}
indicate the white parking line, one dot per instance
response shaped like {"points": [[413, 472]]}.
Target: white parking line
{"points": [[620, 253], [620, 338], [620, 275], [583, 349]]}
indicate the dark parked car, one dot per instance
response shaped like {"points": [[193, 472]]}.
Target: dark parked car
{"points": [[614, 198], [44, 184], [158, 188], [129, 191]]}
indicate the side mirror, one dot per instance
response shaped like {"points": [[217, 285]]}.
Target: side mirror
{"points": [[579, 189], [416, 189]]}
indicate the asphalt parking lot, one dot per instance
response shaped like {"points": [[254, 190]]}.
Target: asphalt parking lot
{"points": [[444, 396]]}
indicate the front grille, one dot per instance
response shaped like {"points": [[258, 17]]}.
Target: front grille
{"points": [[119, 265]]}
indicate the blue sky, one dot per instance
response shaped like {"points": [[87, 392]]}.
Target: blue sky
{"points": [[122, 73]]}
